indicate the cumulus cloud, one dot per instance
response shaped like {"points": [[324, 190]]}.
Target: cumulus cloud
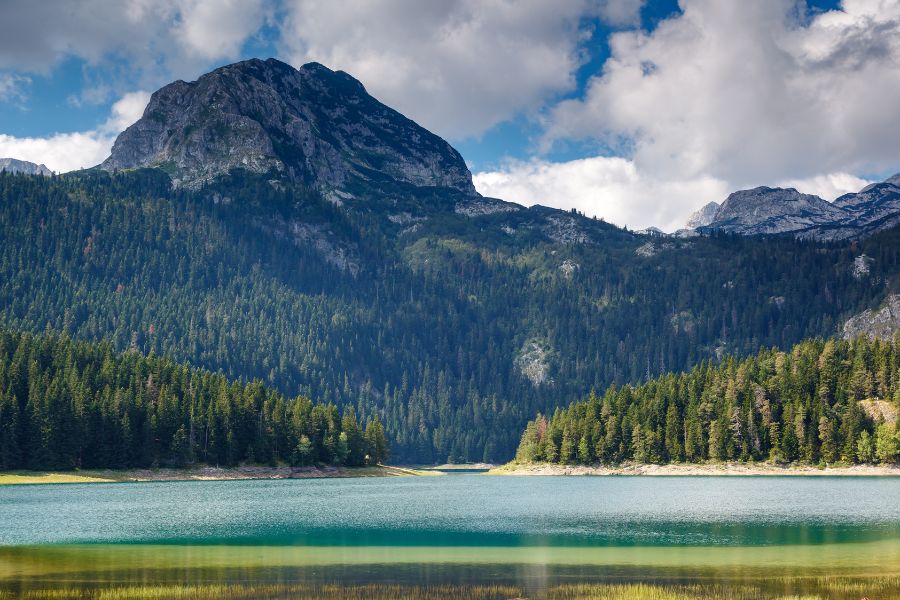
{"points": [[621, 13], [828, 186], [218, 28], [63, 152], [608, 187], [749, 93], [157, 38], [456, 66]]}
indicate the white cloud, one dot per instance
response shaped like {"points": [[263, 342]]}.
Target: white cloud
{"points": [[609, 187], [218, 28], [60, 152], [621, 13], [70, 151], [156, 39], [126, 111], [828, 186], [749, 93], [456, 66]]}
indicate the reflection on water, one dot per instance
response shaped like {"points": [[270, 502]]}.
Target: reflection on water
{"points": [[462, 536]]}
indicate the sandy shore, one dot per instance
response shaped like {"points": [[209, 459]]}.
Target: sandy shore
{"points": [[734, 469], [203, 474], [460, 467]]}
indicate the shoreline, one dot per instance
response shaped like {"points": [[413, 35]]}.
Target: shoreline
{"points": [[695, 470], [204, 474]]}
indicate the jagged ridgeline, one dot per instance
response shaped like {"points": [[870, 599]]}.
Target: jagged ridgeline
{"points": [[66, 404], [822, 402], [281, 224]]}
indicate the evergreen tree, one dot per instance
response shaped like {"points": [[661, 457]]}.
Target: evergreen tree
{"points": [[88, 407], [770, 406]]}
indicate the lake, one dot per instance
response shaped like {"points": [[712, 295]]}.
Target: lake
{"points": [[463, 535]]}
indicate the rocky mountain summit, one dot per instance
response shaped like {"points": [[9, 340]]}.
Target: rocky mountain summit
{"points": [[14, 165], [774, 211], [702, 216], [765, 210], [321, 130], [310, 125], [875, 207]]}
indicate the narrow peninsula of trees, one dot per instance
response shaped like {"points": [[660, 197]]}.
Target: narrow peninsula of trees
{"points": [[65, 404], [823, 402]]}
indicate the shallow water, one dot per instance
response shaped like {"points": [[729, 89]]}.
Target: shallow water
{"points": [[532, 532]]}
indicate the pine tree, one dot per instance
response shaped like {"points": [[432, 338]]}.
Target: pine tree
{"points": [[887, 444]]}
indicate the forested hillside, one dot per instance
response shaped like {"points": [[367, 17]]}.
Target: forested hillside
{"points": [[822, 402], [453, 326], [65, 404]]}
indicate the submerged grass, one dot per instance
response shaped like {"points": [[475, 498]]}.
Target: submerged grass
{"points": [[821, 589]]}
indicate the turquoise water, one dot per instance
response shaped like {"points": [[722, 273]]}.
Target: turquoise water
{"points": [[458, 510], [453, 528]]}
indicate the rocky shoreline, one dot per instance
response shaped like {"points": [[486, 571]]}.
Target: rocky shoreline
{"points": [[698, 470]]}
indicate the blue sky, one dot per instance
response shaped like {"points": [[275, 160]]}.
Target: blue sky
{"points": [[636, 111]]}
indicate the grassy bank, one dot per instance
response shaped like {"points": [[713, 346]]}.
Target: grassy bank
{"points": [[204, 474], [697, 470]]}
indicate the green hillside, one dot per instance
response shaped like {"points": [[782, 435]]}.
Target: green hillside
{"points": [[454, 330]]}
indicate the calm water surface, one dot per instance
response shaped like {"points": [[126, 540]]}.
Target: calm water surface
{"points": [[457, 527]]}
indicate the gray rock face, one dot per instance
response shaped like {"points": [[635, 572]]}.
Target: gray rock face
{"points": [[13, 165], [703, 216], [875, 207], [876, 324], [312, 125], [766, 210]]}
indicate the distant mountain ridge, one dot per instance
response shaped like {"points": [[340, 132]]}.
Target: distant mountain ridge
{"points": [[777, 211], [311, 125], [14, 165]]}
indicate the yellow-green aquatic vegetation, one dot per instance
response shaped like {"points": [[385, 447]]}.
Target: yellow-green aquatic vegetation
{"points": [[818, 589]]}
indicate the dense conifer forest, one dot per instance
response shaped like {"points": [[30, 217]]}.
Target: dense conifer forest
{"points": [[823, 402], [452, 330], [65, 405]]}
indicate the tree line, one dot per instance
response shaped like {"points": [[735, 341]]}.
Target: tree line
{"points": [[823, 402], [428, 327], [67, 404]]}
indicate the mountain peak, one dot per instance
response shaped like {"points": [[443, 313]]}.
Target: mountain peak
{"points": [[703, 216], [14, 165], [312, 125], [766, 210]]}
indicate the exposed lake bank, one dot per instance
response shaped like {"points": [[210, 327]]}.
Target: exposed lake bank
{"points": [[205, 473], [697, 470]]}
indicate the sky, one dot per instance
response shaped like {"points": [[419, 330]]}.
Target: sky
{"points": [[636, 111]]}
